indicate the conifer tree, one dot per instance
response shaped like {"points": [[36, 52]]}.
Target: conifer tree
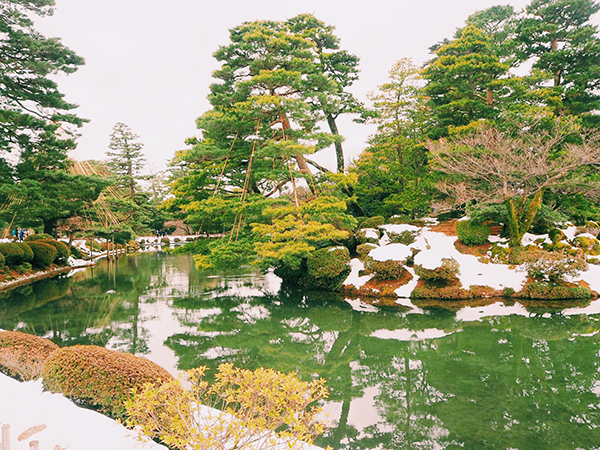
{"points": [[125, 157]]}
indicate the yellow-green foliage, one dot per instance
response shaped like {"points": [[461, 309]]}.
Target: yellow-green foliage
{"points": [[405, 237], [260, 404], [99, 377], [471, 233], [62, 249], [43, 254], [13, 253], [22, 355], [589, 245], [328, 268], [544, 291], [1, 261]]}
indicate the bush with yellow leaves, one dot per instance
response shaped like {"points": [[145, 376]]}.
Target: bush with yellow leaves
{"points": [[257, 409]]}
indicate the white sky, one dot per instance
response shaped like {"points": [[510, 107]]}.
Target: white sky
{"points": [[149, 62]]}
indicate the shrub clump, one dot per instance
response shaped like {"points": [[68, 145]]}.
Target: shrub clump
{"points": [[471, 232], [62, 249], [363, 250], [99, 377], [451, 292], [544, 291], [13, 253], [550, 267], [387, 270], [373, 222], [589, 245], [38, 236], [328, 268], [446, 273], [405, 237], [27, 252], [43, 254], [22, 355]]}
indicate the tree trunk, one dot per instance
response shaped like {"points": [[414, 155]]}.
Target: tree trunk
{"points": [[50, 226], [339, 151]]}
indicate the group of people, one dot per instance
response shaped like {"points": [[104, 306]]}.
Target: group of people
{"points": [[19, 234], [159, 233]]}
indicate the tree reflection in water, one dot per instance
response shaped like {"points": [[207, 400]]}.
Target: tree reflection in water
{"points": [[399, 378]]}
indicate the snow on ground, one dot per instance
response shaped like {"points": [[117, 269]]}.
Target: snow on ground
{"points": [[62, 424], [25, 405], [435, 247], [353, 278]]}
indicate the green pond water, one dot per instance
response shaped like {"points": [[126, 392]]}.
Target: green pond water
{"points": [[492, 375]]}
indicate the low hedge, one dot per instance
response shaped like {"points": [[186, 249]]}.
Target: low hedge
{"points": [[98, 377], [471, 233], [22, 355], [543, 291], [62, 249], [13, 253], [387, 270], [43, 254], [38, 236]]}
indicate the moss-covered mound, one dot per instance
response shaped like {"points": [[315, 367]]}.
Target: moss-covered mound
{"points": [[43, 254], [13, 253], [99, 377], [547, 291], [441, 282], [22, 355]]}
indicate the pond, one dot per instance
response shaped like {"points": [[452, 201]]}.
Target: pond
{"points": [[491, 375]]}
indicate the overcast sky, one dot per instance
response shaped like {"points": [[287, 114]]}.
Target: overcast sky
{"points": [[149, 62]]}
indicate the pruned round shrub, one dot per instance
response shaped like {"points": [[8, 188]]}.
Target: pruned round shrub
{"points": [[22, 355], [38, 236], [446, 273], [13, 253], [43, 254], [62, 249], [387, 270], [470, 232], [373, 222], [328, 268], [99, 377], [27, 252], [165, 241]]}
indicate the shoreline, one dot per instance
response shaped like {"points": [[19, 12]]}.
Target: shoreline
{"points": [[40, 275]]}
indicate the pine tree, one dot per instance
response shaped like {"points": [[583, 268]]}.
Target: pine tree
{"points": [[125, 159]]}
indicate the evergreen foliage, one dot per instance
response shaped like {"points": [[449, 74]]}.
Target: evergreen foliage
{"points": [[470, 232]]}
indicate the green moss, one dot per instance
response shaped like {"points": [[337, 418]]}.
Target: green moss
{"points": [[387, 270], [470, 232], [451, 292]]}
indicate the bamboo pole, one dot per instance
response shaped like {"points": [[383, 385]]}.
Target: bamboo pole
{"points": [[6, 437]]}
